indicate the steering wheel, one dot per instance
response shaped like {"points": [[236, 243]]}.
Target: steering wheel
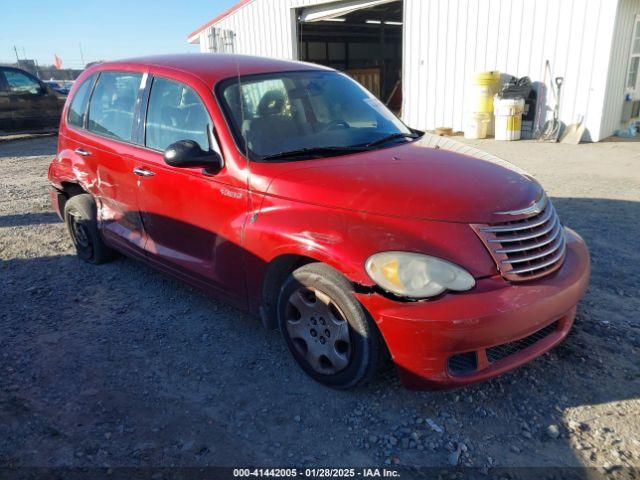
{"points": [[335, 125]]}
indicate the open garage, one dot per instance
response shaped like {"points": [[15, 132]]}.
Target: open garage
{"points": [[363, 39]]}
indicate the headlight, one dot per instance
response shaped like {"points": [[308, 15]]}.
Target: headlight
{"points": [[415, 275]]}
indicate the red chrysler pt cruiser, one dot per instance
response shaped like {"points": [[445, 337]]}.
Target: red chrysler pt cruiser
{"points": [[289, 190]]}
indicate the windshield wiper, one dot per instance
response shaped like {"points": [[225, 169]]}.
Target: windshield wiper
{"points": [[393, 136], [328, 151], [314, 151]]}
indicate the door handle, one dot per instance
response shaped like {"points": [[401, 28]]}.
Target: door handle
{"points": [[142, 172], [81, 152]]}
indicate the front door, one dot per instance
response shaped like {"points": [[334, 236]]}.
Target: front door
{"points": [[193, 219]]}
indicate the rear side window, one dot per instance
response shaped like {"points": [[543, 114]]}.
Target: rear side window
{"points": [[78, 105], [175, 113], [112, 104]]}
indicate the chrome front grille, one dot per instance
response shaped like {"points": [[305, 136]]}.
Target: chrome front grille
{"points": [[527, 248]]}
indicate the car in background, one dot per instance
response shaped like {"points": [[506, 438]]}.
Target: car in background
{"points": [[62, 87], [27, 103]]}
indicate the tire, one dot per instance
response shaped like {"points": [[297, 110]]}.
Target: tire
{"points": [[81, 219], [328, 332]]}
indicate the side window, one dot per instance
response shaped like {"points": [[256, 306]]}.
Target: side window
{"points": [[112, 104], [19, 82], [175, 113], [78, 106]]}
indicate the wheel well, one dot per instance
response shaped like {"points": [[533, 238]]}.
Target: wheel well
{"points": [[277, 271], [69, 190]]}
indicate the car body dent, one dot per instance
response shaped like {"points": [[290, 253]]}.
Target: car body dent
{"points": [[422, 335], [344, 239]]}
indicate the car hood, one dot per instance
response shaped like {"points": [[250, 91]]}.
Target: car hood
{"points": [[434, 178]]}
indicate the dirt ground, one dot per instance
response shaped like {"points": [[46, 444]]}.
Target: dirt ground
{"points": [[118, 365]]}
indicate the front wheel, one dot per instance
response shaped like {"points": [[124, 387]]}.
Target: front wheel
{"points": [[328, 332]]}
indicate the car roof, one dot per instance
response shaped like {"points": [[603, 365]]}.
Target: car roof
{"points": [[15, 69], [211, 68]]}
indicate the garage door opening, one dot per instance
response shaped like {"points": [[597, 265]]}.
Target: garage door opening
{"points": [[362, 38]]}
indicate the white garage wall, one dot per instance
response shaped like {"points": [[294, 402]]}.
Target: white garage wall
{"points": [[446, 41], [263, 27]]}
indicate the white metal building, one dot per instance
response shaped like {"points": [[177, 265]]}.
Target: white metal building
{"points": [[433, 47]]}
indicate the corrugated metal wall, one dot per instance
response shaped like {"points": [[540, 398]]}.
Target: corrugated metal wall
{"points": [[619, 64], [446, 41], [263, 27]]}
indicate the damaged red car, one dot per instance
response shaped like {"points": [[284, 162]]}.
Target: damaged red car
{"points": [[289, 190]]}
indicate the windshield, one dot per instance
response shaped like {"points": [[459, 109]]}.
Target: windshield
{"points": [[308, 113]]}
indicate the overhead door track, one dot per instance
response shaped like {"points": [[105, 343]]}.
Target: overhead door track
{"points": [[319, 13]]}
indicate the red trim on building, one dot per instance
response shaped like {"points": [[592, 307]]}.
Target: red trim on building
{"points": [[227, 12]]}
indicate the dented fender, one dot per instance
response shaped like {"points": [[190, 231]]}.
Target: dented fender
{"points": [[344, 239]]}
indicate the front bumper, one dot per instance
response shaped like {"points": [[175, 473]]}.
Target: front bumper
{"points": [[422, 336]]}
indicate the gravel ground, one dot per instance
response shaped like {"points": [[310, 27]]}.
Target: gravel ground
{"points": [[118, 365]]}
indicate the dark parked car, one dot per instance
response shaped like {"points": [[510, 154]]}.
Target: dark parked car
{"points": [[26, 103]]}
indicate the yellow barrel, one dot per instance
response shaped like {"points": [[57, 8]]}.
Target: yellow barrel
{"points": [[485, 86]]}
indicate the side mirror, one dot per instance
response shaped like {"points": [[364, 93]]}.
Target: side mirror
{"points": [[187, 153]]}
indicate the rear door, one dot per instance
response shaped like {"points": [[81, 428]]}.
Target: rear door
{"points": [[192, 218], [103, 145]]}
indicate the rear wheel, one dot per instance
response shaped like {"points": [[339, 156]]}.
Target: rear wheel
{"points": [[328, 332], [81, 219]]}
